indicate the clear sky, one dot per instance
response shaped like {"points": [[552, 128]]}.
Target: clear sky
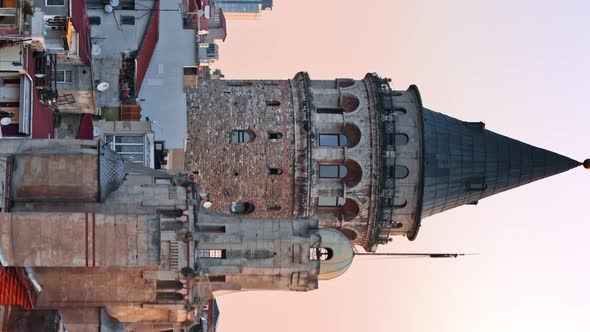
{"points": [[523, 68]]}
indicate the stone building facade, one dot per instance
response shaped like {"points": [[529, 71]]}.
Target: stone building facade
{"points": [[361, 157], [141, 252]]}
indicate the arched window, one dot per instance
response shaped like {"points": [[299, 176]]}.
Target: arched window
{"points": [[273, 207], [324, 201], [401, 172], [241, 136], [347, 208], [333, 140], [322, 110], [169, 296], [273, 103], [399, 203], [401, 139], [169, 284], [241, 208], [399, 110], [275, 171], [170, 213], [320, 254], [275, 135], [349, 103], [396, 225], [349, 233], [332, 171]]}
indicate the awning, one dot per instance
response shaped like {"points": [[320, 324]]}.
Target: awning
{"points": [[86, 129], [147, 47]]}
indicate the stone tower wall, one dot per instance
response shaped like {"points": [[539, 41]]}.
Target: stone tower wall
{"points": [[239, 172], [357, 123]]}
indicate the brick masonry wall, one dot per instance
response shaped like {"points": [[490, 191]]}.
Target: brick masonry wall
{"points": [[239, 172]]}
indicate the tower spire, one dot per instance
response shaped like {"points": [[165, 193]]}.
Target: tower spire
{"points": [[464, 162]]}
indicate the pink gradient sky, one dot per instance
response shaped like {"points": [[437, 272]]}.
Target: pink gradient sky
{"points": [[519, 66]]}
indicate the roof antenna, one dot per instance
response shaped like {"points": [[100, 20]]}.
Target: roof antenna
{"points": [[413, 254]]}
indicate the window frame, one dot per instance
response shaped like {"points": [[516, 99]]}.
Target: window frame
{"points": [[123, 19], [341, 171], [240, 136], [111, 139], [339, 201], [48, 5], [210, 253], [341, 140], [65, 76]]}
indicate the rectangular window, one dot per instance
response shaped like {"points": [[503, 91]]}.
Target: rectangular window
{"points": [[94, 20], [130, 147], [324, 201], [210, 253], [332, 140], [211, 229], [190, 70], [55, 2], [63, 76], [329, 111], [216, 278], [127, 20], [332, 171], [477, 185]]}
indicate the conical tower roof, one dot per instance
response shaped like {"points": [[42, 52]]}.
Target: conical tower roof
{"points": [[464, 162]]}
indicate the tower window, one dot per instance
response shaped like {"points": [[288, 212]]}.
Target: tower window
{"points": [[275, 171], [169, 284], [220, 278], [273, 103], [211, 253], [275, 135], [320, 254], [241, 136], [477, 185], [241, 208], [211, 229], [399, 203], [331, 201], [399, 110], [396, 225], [401, 139], [333, 140], [273, 207], [329, 111], [332, 171], [401, 172]]}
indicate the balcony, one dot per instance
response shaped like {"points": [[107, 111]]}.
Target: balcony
{"points": [[11, 18]]}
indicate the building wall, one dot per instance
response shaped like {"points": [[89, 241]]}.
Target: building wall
{"points": [[240, 172], [81, 88], [259, 253], [296, 109]]}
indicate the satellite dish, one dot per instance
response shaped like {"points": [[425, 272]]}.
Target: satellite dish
{"points": [[93, 33], [96, 50], [5, 121], [108, 8], [207, 205], [114, 3], [95, 131], [102, 86]]}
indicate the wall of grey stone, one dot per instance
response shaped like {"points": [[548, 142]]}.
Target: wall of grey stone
{"points": [[329, 94], [259, 253]]}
